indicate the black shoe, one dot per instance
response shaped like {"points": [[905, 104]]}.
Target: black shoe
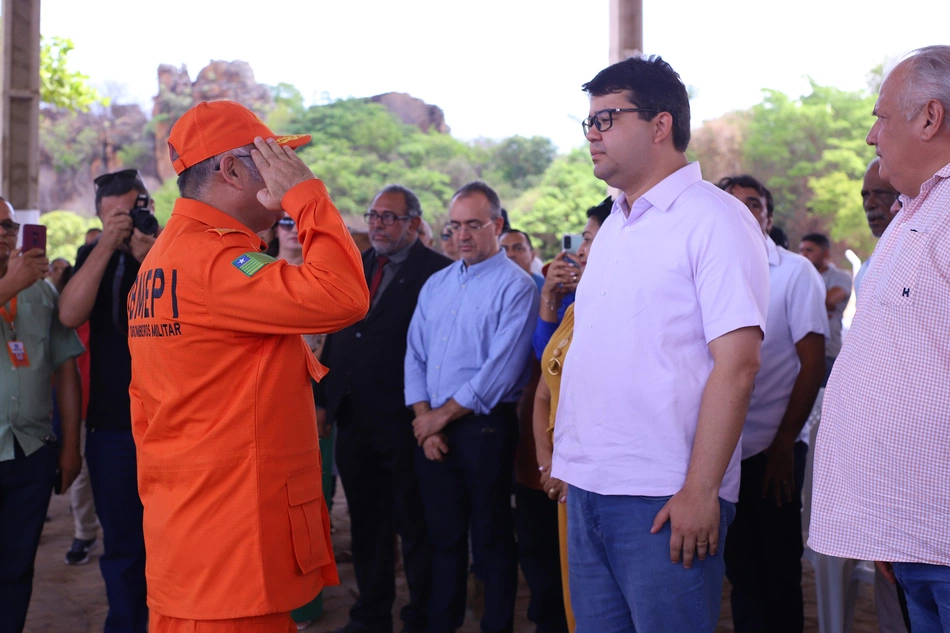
{"points": [[78, 554]]}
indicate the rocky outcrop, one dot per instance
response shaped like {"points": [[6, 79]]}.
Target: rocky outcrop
{"points": [[216, 81], [413, 111]]}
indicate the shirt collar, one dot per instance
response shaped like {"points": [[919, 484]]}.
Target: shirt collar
{"points": [[663, 194], [485, 266], [401, 255], [932, 182], [214, 218], [775, 253]]}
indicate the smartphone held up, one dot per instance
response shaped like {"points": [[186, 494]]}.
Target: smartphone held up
{"points": [[34, 236]]}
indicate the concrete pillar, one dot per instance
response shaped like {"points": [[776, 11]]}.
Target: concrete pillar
{"points": [[626, 29], [20, 102]]}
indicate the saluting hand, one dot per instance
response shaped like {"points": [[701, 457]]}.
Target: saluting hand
{"points": [[281, 169]]}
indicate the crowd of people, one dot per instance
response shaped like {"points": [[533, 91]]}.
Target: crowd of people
{"points": [[628, 423]]}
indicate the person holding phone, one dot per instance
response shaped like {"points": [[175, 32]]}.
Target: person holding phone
{"points": [[39, 351], [563, 275], [104, 273]]}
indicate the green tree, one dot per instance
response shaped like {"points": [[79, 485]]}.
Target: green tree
{"points": [[61, 87], [164, 199], [65, 233], [811, 153], [559, 203]]}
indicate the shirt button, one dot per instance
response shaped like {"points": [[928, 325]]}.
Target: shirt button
{"points": [[359, 335], [444, 338], [616, 259], [437, 366], [453, 311], [590, 325], [463, 285], [604, 293]]}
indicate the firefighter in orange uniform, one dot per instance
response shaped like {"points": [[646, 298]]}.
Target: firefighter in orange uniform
{"points": [[236, 527]]}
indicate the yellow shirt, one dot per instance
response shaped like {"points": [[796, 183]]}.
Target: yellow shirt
{"points": [[552, 360]]}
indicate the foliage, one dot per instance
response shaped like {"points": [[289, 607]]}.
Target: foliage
{"points": [[65, 233], [559, 203], [61, 87], [812, 154], [165, 198]]}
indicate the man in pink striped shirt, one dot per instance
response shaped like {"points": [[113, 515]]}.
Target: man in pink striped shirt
{"points": [[882, 461]]}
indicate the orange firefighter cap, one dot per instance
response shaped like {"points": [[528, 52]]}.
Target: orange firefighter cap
{"points": [[214, 127]]}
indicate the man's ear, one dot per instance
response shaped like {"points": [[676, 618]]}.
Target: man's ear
{"points": [[227, 171], [663, 127], [935, 118]]}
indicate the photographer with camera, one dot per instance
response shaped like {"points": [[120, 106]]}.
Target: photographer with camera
{"points": [[103, 276]]}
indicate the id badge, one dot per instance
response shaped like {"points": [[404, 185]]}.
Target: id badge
{"points": [[17, 352]]}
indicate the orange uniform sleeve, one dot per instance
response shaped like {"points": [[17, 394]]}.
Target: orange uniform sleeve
{"points": [[325, 294]]}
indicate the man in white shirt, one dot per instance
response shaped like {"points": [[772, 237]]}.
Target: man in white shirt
{"points": [[669, 321], [764, 548], [817, 249]]}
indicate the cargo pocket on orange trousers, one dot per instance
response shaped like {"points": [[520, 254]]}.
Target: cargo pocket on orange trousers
{"points": [[306, 507]]}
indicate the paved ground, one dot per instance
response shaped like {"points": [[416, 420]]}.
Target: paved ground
{"points": [[72, 599]]}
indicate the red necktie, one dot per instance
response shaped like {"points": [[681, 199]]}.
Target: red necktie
{"points": [[381, 262]]}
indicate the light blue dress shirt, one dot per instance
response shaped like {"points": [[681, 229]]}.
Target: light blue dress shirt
{"points": [[470, 336]]}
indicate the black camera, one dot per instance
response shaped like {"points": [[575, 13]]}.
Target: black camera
{"points": [[142, 218]]}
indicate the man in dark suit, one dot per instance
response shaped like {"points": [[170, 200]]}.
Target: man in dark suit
{"points": [[375, 445]]}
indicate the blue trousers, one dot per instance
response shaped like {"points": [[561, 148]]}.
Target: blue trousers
{"points": [[110, 456], [471, 491], [927, 588], [26, 484], [622, 580]]}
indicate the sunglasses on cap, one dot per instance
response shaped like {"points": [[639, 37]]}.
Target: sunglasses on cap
{"points": [[125, 174]]}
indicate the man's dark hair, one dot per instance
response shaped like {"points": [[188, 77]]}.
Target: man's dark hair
{"points": [[413, 206], [526, 236], [506, 224], [780, 237], [119, 187], [650, 83], [819, 239], [602, 211], [747, 181], [93, 229], [477, 186]]}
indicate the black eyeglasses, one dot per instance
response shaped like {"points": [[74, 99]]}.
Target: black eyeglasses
{"points": [[388, 218], [125, 174], [10, 227], [286, 223], [603, 120], [446, 236], [218, 166]]}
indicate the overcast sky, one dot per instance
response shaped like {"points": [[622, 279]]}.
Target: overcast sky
{"points": [[496, 67]]}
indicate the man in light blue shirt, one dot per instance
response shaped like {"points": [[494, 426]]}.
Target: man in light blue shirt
{"points": [[469, 346]]}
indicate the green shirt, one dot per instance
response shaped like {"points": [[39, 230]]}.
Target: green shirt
{"points": [[26, 403]]}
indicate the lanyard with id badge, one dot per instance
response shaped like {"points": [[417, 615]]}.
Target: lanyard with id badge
{"points": [[15, 347]]}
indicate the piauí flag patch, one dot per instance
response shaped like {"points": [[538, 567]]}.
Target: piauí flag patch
{"points": [[251, 263]]}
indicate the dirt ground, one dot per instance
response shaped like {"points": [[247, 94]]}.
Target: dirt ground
{"points": [[72, 599]]}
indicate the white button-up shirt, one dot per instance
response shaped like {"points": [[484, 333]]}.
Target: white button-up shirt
{"points": [[882, 460], [796, 309], [686, 266]]}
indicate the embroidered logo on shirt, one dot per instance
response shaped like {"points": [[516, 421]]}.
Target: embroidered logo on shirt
{"points": [[251, 263]]}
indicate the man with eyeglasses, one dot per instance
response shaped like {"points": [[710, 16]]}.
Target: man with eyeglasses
{"points": [[466, 366], [669, 318], [375, 447], [236, 523], [104, 273], [38, 351]]}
